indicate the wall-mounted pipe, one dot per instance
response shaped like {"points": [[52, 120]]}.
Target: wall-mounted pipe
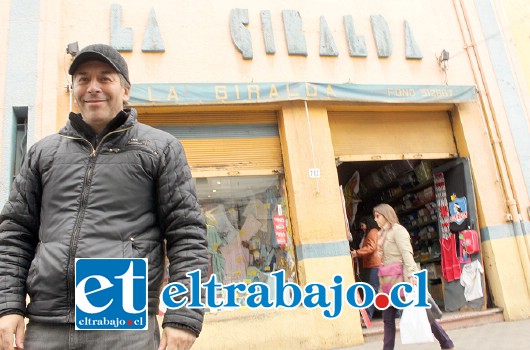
{"points": [[502, 167]]}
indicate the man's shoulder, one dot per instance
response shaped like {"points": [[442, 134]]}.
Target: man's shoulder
{"points": [[155, 135], [50, 141]]}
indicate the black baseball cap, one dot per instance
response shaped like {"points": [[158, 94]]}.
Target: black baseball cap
{"points": [[103, 53]]}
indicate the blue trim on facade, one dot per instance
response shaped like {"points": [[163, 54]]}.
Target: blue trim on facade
{"points": [[236, 131], [502, 231], [215, 93], [21, 80], [322, 250], [342, 248], [507, 85]]}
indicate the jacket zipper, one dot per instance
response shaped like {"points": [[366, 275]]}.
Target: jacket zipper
{"points": [[87, 180]]}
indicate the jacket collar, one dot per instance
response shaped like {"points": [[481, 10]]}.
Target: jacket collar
{"points": [[76, 126]]}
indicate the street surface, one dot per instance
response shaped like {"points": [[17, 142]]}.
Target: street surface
{"points": [[493, 336]]}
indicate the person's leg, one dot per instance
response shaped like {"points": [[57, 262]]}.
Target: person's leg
{"points": [[373, 280], [141, 340], [52, 336], [441, 335], [47, 336], [389, 320]]}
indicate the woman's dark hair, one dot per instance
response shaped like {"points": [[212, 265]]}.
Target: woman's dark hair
{"points": [[369, 222]]}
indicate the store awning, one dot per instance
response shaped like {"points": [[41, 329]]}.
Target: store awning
{"points": [[230, 93]]}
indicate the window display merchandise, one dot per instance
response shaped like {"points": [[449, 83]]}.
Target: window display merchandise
{"points": [[245, 241]]}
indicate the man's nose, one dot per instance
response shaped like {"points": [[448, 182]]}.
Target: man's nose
{"points": [[93, 86]]}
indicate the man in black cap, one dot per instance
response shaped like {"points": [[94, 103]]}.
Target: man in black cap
{"points": [[105, 186]]}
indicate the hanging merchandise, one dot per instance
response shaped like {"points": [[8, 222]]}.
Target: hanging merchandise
{"points": [[450, 265], [346, 221], [217, 260], [351, 197], [458, 209], [250, 227], [470, 241], [271, 204], [280, 230], [441, 201], [463, 257], [470, 280], [469, 244]]}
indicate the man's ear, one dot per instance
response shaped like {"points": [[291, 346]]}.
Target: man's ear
{"points": [[127, 94]]}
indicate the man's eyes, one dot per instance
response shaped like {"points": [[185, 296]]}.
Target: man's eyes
{"points": [[85, 79]]}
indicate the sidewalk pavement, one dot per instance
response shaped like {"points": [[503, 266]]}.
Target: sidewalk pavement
{"points": [[513, 335]]}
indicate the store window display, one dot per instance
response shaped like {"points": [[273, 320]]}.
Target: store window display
{"points": [[243, 242]]}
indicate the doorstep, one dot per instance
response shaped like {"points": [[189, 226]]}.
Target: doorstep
{"points": [[450, 320]]}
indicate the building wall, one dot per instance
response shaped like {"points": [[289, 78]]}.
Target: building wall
{"points": [[506, 114], [20, 82], [198, 48], [5, 146]]}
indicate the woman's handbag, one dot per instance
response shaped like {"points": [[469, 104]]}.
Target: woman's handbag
{"points": [[389, 275], [414, 326]]}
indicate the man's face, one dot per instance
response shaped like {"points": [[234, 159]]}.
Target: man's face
{"points": [[99, 93]]}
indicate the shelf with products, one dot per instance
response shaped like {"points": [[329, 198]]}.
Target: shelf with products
{"points": [[423, 224], [418, 214], [416, 188], [429, 261], [414, 208], [409, 188], [395, 183], [391, 193]]}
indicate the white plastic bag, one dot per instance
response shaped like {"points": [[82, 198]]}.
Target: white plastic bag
{"points": [[414, 327]]}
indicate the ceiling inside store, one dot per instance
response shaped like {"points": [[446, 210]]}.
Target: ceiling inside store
{"points": [[223, 188], [347, 169]]}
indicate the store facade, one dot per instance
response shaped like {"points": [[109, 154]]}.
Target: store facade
{"points": [[277, 104]]}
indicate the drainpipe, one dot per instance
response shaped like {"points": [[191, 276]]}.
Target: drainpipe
{"points": [[499, 152]]}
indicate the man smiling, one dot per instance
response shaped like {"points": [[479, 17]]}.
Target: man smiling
{"points": [[105, 186]]}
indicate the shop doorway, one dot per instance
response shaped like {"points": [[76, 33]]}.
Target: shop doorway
{"points": [[435, 202]]}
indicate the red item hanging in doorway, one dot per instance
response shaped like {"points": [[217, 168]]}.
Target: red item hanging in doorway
{"points": [[451, 269]]}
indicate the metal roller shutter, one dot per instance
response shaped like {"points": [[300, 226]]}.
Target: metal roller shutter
{"points": [[358, 136], [225, 143]]}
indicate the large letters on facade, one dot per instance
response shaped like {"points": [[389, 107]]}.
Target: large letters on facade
{"points": [[122, 38], [295, 38]]}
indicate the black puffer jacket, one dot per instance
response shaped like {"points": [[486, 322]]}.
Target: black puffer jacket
{"points": [[121, 199]]}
